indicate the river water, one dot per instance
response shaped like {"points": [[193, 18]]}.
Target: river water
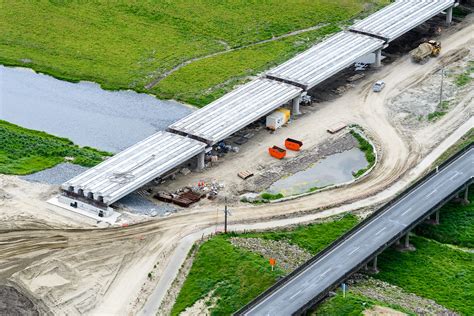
{"points": [[83, 112]]}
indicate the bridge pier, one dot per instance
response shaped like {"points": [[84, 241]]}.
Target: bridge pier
{"points": [[378, 58], [296, 106], [406, 246], [200, 161], [374, 268], [466, 195], [449, 16], [435, 220]]}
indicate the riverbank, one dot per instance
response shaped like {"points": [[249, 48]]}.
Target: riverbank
{"points": [[83, 112], [26, 151]]}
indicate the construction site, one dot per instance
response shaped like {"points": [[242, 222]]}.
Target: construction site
{"points": [[344, 126]]}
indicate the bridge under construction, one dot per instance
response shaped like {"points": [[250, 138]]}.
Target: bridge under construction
{"points": [[191, 137]]}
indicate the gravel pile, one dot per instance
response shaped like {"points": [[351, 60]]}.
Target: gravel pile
{"points": [[57, 174], [287, 256], [391, 294], [136, 204]]}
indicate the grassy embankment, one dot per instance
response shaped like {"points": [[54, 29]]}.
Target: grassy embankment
{"points": [[237, 275], [127, 45], [351, 305], [368, 150], [24, 151]]}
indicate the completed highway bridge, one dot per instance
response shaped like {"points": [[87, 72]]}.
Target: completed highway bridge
{"points": [[311, 282]]}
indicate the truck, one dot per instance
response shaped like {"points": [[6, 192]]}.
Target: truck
{"points": [[425, 50]]}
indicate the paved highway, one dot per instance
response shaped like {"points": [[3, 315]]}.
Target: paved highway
{"points": [[323, 273]]}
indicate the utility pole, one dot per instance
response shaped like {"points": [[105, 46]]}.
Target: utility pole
{"points": [[225, 216], [441, 89]]}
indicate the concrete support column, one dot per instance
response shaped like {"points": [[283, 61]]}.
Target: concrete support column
{"points": [[296, 105], [466, 195], [449, 16], [374, 265], [436, 221], [378, 58], [397, 243], [407, 240], [200, 161]]}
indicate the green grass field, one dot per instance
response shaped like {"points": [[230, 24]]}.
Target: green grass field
{"points": [[25, 151], [229, 271], [129, 44], [434, 271], [313, 237], [456, 224]]}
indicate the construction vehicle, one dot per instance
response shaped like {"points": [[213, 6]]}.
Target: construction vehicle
{"points": [[431, 48]]}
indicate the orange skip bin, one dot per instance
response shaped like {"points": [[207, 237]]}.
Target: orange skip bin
{"points": [[293, 144], [277, 152]]}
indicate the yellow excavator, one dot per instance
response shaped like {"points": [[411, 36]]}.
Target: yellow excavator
{"points": [[431, 48]]}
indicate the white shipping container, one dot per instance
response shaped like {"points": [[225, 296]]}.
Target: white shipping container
{"points": [[276, 120]]}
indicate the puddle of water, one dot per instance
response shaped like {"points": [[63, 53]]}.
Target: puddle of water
{"points": [[83, 112], [333, 169]]}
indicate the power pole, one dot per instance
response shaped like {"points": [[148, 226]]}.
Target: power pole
{"points": [[225, 216], [441, 89]]}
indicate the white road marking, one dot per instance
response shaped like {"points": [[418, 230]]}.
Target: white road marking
{"points": [[294, 295], [325, 272], [431, 193], [455, 175], [354, 250], [381, 230], [408, 210]]}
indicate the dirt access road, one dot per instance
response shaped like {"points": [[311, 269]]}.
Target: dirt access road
{"points": [[76, 270]]}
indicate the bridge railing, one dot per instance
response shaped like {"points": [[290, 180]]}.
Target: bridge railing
{"points": [[352, 231]]}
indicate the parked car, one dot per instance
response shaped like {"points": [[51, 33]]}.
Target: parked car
{"points": [[378, 86]]}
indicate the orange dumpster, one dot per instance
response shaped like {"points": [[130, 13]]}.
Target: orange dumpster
{"points": [[277, 152], [293, 144]]}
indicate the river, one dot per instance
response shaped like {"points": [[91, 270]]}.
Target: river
{"points": [[83, 112]]}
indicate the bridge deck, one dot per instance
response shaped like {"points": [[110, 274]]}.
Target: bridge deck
{"points": [[400, 17], [236, 110], [135, 166], [325, 59]]}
